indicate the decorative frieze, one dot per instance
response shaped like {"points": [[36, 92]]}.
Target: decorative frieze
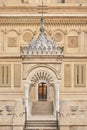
{"points": [[49, 20]]}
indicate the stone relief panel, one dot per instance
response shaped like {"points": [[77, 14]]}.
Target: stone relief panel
{"points": [[11, 111], [73, 41], [12, 41], [76, 111]]}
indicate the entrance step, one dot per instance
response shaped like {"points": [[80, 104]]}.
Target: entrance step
{"points": [[41, 117], [42, 108], [40, 125]]}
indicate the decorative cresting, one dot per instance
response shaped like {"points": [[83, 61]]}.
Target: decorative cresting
{"points": [[42, 45], [41, 76]]}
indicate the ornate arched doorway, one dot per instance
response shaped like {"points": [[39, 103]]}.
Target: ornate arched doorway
{"points": [[45, 82]]}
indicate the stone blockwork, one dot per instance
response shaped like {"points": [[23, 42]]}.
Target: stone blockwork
{"points": [[65, 24]]}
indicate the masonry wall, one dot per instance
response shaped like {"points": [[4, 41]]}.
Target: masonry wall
{"points": [[70, 32]]}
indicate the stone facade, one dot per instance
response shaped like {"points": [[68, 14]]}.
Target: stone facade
{"points": [[65, 72]]}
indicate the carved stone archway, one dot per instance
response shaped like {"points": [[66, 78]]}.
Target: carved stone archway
{"points": [[42, 75]]}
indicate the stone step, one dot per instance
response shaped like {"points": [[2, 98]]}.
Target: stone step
{"points": [[37, 128], [40, 128], [43, 121], [42, 108], [42, 117], [40, 124]]}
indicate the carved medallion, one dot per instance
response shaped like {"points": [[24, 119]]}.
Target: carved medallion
{"points": [[57, 37], [27, 36]]}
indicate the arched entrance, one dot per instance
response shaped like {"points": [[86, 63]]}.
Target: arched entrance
{"points": [[42, 91]]}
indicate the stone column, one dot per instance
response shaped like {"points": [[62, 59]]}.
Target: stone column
{"points": [[27, 87], [56, 104]]}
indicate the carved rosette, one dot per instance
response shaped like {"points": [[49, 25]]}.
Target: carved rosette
{"points": [[27, 36], [57, 37]]}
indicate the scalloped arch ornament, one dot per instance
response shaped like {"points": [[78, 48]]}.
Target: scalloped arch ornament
{"points": [[41, 73]]}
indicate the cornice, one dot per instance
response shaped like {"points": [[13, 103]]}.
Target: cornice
{"points": [[49, 20], [56, 8]]}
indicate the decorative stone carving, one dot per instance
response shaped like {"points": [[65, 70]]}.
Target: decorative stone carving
{"points": [[75, 111], [27, 36], [42, 76], [73, 41], [74, 108], [12, 41], [57, 37], [42, 46]]}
